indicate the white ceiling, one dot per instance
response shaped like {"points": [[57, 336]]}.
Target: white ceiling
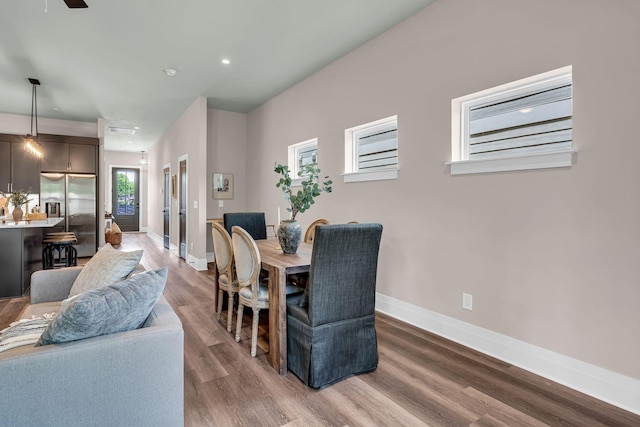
{"points": [[108, 60]]}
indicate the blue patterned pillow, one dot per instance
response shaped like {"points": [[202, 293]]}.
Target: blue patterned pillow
{"points": [[106, 267], [115, 308]]}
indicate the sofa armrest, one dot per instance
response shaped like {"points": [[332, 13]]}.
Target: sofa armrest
{"points": [[52, 285]]}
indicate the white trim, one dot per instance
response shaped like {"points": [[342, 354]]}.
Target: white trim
{"points": [[174, 249], [211, 256], [370, 176], [460, 163], [197, 263], [155, 237], [556, 159], [608, 386], [351, 173]]}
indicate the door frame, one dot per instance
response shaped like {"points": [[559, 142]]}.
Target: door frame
{"points": [[166, 192], [141, 194], [183, 158]]}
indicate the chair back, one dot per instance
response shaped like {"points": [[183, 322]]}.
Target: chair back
{"points": [[311, 230], [253, 222], [247, 258], [342, 276], [223, 249]]}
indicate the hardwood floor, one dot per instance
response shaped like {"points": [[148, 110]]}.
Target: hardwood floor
{"points": [[421, 380]]}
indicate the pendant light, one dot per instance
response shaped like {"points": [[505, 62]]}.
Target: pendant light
{"points": [[142, 161], [31, 140]]}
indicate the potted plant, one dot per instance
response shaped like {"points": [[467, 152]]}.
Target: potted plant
{"points": [[289, 231], [18, 198]]}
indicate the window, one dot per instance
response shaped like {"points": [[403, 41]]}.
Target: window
{"points": [[371, 151], [300, 154], [521, 125]]}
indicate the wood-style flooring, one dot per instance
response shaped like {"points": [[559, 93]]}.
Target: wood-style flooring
{"points": [[421, 380]]}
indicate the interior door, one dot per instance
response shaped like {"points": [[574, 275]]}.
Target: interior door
{"points": [[183, 209], [166, 210], [125, 198]]}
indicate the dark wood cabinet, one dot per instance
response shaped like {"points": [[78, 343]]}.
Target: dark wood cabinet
{"points": [[5, 166], [18, 169], [25, 169], [60, 156]]}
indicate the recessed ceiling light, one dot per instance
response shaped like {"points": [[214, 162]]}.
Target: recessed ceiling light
{"points": [[55, 109], [129, 142], [170, 72], [226, 61], [136, 127]]}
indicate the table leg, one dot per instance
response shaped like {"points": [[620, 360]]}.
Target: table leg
{"points": [[278, 319]]}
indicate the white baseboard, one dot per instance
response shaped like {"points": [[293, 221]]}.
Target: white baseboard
{"points": [[155, 237], [210, 257], [197, 263], [608, 386], [174, 249]]}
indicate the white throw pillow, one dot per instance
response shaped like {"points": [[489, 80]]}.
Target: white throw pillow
{"points": [[108, 266]]}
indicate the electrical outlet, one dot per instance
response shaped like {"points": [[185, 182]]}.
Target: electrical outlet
{"points": [[191, 245], [467, 301], [220, 203]]}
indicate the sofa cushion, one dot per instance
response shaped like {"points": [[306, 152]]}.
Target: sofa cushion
{"points": [[106, 267], [115, 308]]}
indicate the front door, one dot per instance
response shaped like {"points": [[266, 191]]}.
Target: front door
{"points": [[125, 198], [183, 209], [166, 210]]}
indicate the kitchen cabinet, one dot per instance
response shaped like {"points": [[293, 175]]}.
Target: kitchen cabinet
{"points": [[69, 157], [18, 169]]}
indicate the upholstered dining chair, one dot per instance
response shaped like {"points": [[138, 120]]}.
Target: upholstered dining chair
{"points": [[253, 222], [227, 281], [252, 292], [310, 233], [331, 331]]}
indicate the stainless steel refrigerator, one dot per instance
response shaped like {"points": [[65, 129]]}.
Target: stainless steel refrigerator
{"points": [[72, 196]]}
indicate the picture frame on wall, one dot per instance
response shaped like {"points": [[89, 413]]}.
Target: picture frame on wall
{"points": [[223, 186]]}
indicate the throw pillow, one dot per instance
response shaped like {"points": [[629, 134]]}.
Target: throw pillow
{"points": [[120, 307], [24, 332], [108, 266]]}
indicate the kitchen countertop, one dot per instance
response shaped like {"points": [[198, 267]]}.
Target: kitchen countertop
{"points": [[8, 222]]}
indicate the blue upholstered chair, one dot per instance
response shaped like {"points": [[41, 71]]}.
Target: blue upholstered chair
{"points": [[253, 222], [331, 331], [227, 280]]}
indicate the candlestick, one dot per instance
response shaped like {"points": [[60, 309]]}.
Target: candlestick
{"points": [[278, 215]]}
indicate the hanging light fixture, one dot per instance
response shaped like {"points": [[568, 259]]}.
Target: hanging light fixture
{"points": [[31, 140], [142, 161]]}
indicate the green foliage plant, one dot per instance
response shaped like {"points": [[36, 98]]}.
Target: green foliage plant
{"points": [[18, 197], [301, 200]]}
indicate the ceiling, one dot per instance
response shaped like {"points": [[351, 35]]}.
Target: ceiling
{"points": [[109, 60]]}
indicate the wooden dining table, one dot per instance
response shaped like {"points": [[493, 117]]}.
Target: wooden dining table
{"points": [[279, 265]]}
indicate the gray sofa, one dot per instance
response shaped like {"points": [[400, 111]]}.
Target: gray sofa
{"points": [[133, 378]]}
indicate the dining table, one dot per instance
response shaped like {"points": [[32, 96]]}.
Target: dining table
{"points": [[279, 265]]}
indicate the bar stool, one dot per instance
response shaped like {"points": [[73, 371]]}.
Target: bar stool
{"points": [[62, 243]]}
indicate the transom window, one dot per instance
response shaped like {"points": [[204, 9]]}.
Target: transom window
{"points": [[301, 154], [371, 151], [529, 120]]}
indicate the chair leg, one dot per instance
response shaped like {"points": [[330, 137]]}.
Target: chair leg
{"points": [[239, 323], [230, 312], [220, 297], [254, 331]]}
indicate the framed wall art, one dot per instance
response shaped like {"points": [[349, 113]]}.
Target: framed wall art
{"points": [[223, 186]]}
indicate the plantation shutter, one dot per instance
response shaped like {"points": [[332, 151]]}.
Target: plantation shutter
{"points": [[377, 147], [307, 155], [536, 122]]}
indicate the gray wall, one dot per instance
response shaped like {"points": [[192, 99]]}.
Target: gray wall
{"points": [[550, 256]]}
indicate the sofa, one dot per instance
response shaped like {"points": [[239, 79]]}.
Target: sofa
{"points": [[132, 378]]}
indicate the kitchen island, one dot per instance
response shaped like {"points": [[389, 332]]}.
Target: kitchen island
{"points": [[21, 253]]}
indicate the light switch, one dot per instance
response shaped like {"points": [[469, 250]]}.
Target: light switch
{"points": [[195, 204], [221, 203]]}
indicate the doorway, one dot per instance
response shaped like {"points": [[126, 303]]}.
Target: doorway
{"points": [[125, 198], [183, 209], [166, 210]]}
